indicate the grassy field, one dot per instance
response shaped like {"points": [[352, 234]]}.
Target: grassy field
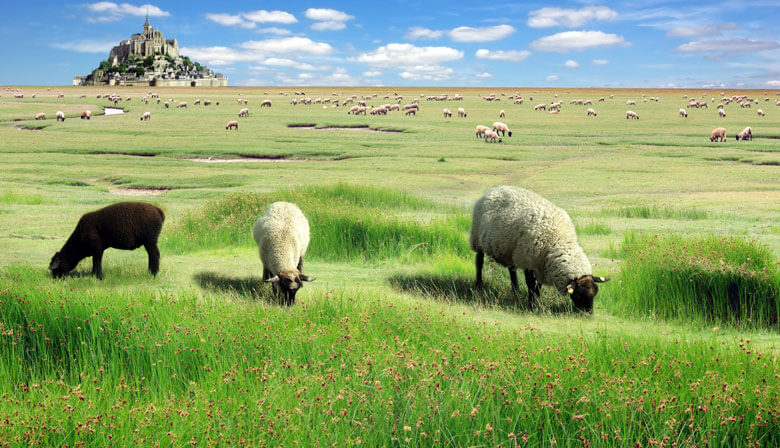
{"points": [[391, 345]]}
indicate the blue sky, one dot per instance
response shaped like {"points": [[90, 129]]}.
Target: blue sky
{"points": [[647, 43]]}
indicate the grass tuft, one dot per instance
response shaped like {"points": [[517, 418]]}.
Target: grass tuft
{"points": [[656, 212]]}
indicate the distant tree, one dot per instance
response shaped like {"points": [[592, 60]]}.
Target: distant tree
{"points": [[148, 61], [197, 66], [105, 65], [187, 62]]}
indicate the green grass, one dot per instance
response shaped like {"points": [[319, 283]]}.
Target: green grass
{"points": [[656, 212], [715, 280], [11, 197]]}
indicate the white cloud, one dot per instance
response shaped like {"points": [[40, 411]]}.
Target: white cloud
{"points": [[695, 30], [263, 16], [486, 34], [773, 83], [230, 20], [393, 55], [577, 40], [339, 77], [418, 32], [599, 61], [275, 30], [328, 19], [284, 62], [727, 45], [372, 73], [257, 50], [111, 12], [552, 78], [499, 55], [571, 63], [86, 46], [483, 75], [427, 73], [550, 17]]}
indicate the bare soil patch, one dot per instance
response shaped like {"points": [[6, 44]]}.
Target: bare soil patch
{"points": [[138, 191]]}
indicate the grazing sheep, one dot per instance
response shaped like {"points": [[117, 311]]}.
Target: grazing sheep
{"points": [[630, 103], [555, 111], [461, 112], [447, 112], [501, 128], [205, 102], [481, 130], [146, 116], [722, 113], [40, 116], [196, 102], [282, 236], [231, 124], [182, 105], [86, 114], [683, 113], [167, 105], [243, 113], [542, 106], [746, 134], [760, 112], [502, 114], [718, 134], [591, 112], [492, 136], [520, 229], [631, 114], [60, 116], [408, 112], [265, 103], [125, 225]]}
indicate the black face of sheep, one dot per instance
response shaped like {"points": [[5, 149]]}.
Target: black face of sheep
{"points": [[287, 284], [60, 265], [583, 290]]}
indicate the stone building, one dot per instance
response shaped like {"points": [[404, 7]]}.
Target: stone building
{"points": [[148, 43]]}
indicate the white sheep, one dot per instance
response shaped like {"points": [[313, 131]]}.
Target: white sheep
{"points": [[501, 128], [282, 236], [480, 131], [265, 103], [592, 112], [40, 116], [760, 112], [146, 116], [630, 103], [541, 106], [86, 114], [683, 113], [746, 134], [718, 134], [462, 112], [182, 105], [492, 136], [60, 116], [631, 114], [243, 112], [722, 113], [231, 124], [501, 114], [521, 230], [447, 112]]}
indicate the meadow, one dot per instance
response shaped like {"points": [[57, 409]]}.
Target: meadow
{"points": [[391, 345]]}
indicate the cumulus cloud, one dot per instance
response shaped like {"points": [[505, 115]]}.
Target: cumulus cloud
{"points": [[550, 17], [552, 78], [230, 20], [571, 63], [284, 62], [499, 55], [577, 40], [257, 50], [393, 55], [328, 19], [599, 61], [86, 46], [112, 12], [418, 32], [274, 30], [485, 34], [427, 73], [773, 83], [276, 16], [728, 46], [339, 77]]}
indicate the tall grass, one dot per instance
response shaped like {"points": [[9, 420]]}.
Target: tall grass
{"points": [[656, 212], [710, 279], [348, 223]]}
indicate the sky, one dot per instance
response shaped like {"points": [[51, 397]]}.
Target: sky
{"points": [[645, 43]]}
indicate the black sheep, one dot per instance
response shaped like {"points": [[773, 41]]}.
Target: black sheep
{"points": [[125, 225]]}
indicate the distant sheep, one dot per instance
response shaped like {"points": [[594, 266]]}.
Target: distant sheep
{"points": [[520, 229], [760, 113], [60, 116], [630, 103], [447, 112], [86, 114], [631, 114], [480, 131], [265, 103], [461, 112], [492, 136], [502, 114], [501, 128], [591, 112], [746, 134], [40, 116], [182, 105], [243, 113], [146, 116], [282, 237], [718, 134], [541, 106], [683, 113], [125, 225], [231, 124], [722, 113]]}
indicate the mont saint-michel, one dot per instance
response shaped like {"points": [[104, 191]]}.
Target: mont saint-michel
{"points": [[148, 59]]}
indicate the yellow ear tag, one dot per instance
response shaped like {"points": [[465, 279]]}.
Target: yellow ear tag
{"points": [[570, 289]]}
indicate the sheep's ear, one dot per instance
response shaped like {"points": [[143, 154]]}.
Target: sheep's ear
{"points": [[600, 279], [55, 263], [306, 278], [274, 279]]}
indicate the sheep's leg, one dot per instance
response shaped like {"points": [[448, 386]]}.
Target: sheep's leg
{"points": [[513, 279], [97, 264], [300, 264], [480, 261], [154, 258], [266, 274], [534, 287]]}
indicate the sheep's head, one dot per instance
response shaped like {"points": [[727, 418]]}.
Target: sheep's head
{"points": [[583, 290], [60, 265], [510, 133], [287, 284]]}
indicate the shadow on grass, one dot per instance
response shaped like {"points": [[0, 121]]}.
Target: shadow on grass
{"points": [[249, 287], [461, 289]]}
